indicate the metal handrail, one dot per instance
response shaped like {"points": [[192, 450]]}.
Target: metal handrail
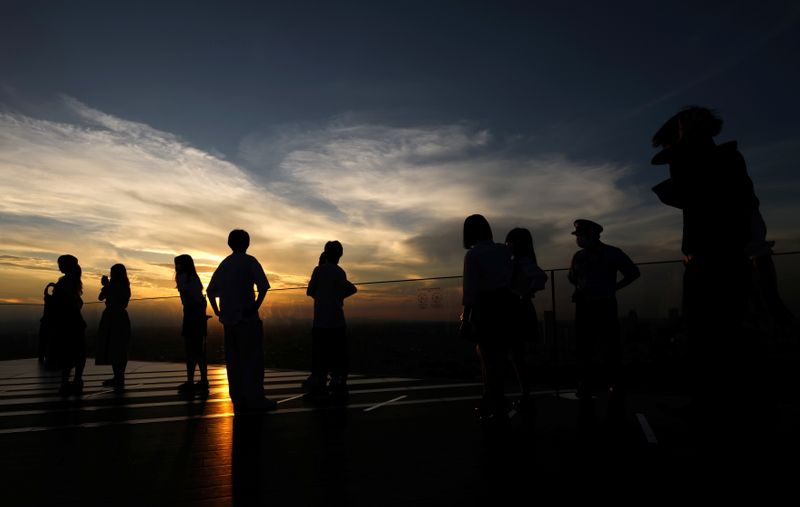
{"points": [[552, 271]]}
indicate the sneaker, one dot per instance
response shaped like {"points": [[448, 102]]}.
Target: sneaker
{"points": [[265, 405], [524, 405], [316, 396], [65, 389], [202, 385], [110, 382], [340, 392], [186, 387], [77, 387]]}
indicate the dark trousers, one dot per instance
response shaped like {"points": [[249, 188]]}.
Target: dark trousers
{"points": [[493, 318], [329, 354], [597, 328], [715, 291], [244, 362]]}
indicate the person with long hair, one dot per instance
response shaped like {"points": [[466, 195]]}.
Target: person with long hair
{"points": [[527, 279], [69, 326], [488, 310], [195, 322], [114, 333]]}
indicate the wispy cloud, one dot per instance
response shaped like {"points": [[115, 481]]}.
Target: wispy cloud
{"points": [[110, 190]]}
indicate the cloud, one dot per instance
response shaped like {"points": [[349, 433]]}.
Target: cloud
{"points": [[109, 190]]}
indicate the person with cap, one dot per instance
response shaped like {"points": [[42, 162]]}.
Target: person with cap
{"points": [[710, 185], [593, 272]]}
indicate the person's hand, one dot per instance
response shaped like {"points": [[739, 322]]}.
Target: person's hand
{"points": [[104, 280]]}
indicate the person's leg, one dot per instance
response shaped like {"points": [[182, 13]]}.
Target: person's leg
{"points": [[339, 366], [202, 360], [191, 358], [319, 370], [80, 357], [584, 344], [232, 366], [252, 363]]}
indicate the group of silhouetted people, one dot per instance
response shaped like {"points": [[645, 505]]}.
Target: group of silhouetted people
{"points": [[723, 240], [499, 284], [240, 285]]}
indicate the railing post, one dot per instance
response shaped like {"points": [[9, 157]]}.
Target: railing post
{"points": [[554, 327]]}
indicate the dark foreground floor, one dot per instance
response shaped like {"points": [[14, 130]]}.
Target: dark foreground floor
{"points": [[398, 442]]}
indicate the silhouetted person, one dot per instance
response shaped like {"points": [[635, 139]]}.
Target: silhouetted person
{"points": [[593, 272], [489, 309], [233, 283], [48, 331], [527, 278], [195, 322], [114, 333], [329, 287], [69, 326], [709, 183]]}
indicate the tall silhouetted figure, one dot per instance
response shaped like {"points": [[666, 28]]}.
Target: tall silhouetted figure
{"points": [[114, 334], [489, 309], [594, 271], [233, 283], [526, 280], [195, 322], [69, 326], [709, 183], [329, 287]]}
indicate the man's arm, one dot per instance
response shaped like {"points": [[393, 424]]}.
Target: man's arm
{"points": [[211, 293], [629, 270], [261, 283], [312, 284]]}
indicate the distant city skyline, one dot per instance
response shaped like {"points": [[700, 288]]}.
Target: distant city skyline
{"points": [[136, 132]]}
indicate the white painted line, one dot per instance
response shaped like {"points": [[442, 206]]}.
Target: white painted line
{"points": [[220, 396], [648, 431], [166, 392], [290, 399], [373, 407], [98, 424]]}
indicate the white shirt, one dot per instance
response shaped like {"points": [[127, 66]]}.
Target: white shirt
{"points": [[233, 283], [487, 267]]}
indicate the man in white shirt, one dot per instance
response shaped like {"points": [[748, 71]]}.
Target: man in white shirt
{"points": [[232, 283]]}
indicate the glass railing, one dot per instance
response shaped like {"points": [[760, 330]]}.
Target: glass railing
{"points": [[410, 327]]}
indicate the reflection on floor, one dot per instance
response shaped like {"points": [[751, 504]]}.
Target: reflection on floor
{"points": [[398, 441]]}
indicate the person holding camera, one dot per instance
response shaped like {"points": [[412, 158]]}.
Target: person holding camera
{"points": [[114, 333]]}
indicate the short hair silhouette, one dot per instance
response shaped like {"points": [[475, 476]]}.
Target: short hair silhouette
{"points": [[523, 242], [693, 121], [239, 240], [333, 251], [476, 229]]}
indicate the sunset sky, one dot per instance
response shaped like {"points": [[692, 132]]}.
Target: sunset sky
{"points": [[135, 131]]}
